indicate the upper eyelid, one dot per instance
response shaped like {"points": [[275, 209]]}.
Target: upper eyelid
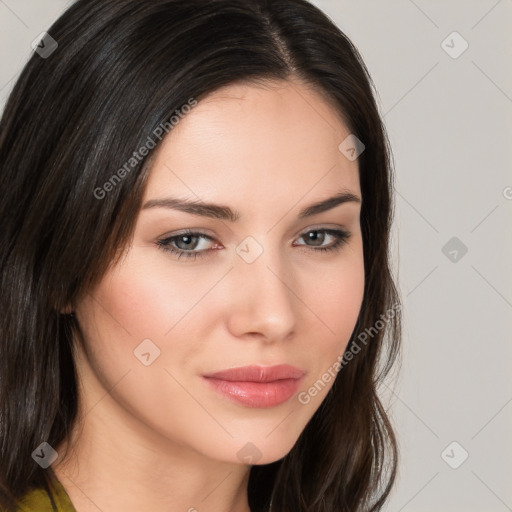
{"points": [[198, 233], [201, 232]]}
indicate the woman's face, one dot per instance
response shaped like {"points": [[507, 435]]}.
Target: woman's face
{"points": [[258, 290]]}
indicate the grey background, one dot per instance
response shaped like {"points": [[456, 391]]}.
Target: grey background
{"points": [[450, 125]]}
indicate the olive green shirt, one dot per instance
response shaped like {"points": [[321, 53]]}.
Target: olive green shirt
{"points": [[37, 500]]}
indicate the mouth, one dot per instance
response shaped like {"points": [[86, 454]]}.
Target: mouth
{"points": [[257, 386]]}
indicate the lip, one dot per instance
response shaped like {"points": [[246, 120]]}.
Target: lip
{"points": [[257, 386], [257, 373]]}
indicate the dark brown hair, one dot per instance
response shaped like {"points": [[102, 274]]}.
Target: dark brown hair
{"points": [[121, 69]]}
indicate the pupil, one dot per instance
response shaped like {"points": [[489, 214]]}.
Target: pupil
{"points": [[187, 239], [313, 236]]}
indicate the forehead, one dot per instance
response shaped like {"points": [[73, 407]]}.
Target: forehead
{"points": [[244, 140]]}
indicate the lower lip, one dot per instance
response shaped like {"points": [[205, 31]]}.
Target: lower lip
{"points": [[257, 394]]}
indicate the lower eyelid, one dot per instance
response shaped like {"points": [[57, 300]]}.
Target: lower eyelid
{"points": [[340, 237]]}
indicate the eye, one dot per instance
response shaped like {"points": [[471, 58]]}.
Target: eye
{"points": [[340, 237], [186, 243]]}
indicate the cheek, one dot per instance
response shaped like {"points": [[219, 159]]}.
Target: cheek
{"points": [[336, 301], [126, 308], [343, 299], [142, 302], [338, 295], [147, 303], [146, 299]]}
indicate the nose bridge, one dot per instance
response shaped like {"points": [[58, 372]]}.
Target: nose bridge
{"points": [[264, 301]]}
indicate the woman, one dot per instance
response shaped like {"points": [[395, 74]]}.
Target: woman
{"points": [[195, 281]]}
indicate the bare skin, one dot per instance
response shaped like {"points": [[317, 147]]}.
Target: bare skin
{"points": [[157, 437]]}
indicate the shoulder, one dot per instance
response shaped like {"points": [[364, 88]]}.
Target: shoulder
{"points": [[37, 500]]}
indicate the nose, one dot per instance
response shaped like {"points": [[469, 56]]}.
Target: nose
{"points": [[263, 302]]}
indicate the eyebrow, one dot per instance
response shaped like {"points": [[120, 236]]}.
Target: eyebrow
{"points": [[217, 211]]}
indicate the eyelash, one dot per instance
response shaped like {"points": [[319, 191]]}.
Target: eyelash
{"points": [[165, 244]]}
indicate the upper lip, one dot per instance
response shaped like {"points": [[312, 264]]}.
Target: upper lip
{"points": [[256, 373]]}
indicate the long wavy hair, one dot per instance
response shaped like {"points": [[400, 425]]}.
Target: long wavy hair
{"points": [[120, 70]]}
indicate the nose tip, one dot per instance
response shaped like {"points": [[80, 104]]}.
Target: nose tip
{"points": [[263, 302]]}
